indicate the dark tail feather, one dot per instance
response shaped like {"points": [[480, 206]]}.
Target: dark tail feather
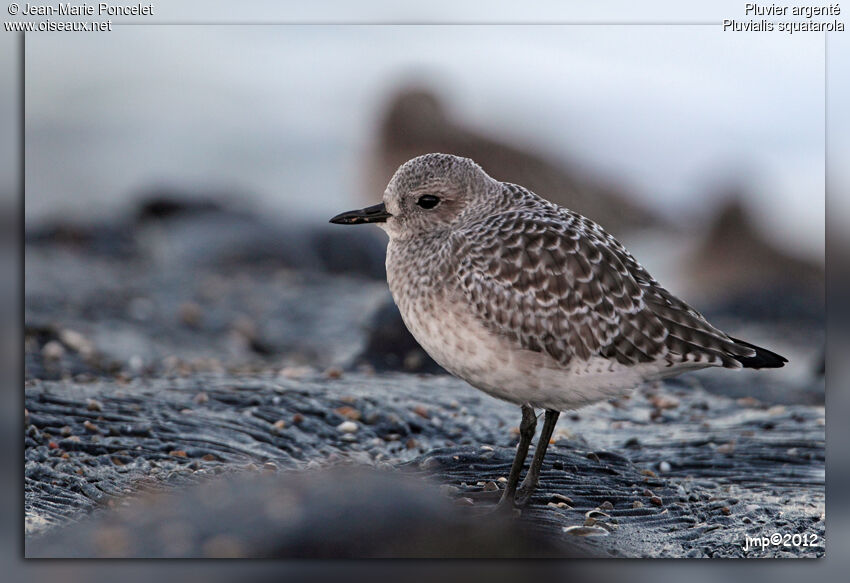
{"points": [[763, 359]]}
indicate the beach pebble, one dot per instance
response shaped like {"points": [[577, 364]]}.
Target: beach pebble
{"points": [[726, 447], [347, 427], [664, 467], [664, 401], [632, 443], [76, 342], [348, 412], [560, 498], [748, 402], [295, 372], [585, 531], [190, 314], [430, 463], [422, 411], [53, 350], [449, 490], [135, 363]]}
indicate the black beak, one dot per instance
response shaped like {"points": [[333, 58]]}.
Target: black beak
{"points": [[371, 214]]}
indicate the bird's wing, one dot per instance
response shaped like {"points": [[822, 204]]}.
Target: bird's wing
{"points": [[556, 282]]}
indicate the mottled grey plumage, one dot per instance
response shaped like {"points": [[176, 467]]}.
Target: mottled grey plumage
{"points": [[537, 278], [529, 301]]}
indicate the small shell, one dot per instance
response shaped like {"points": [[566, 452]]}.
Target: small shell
{"points": [[585, 531]]}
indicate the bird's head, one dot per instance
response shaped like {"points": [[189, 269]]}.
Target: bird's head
{"points": [[427, 194]]}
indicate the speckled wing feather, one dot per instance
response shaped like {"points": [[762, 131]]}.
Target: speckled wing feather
{"points": [[555, 281]]}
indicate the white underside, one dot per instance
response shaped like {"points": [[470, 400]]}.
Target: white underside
{"points": [[497, 366]]}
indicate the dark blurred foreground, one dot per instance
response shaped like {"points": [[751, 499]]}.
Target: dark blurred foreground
{"points": [[341, 513]]}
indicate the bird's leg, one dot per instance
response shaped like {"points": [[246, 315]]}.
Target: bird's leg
{"points": [[531, 478], [526, 434]]}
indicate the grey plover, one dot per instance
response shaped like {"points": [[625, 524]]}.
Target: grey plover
{"points": [[532, 302]]}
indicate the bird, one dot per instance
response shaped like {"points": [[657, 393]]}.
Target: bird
{"points": [[532, 302]]}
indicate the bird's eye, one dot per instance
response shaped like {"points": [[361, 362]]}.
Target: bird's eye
{"points": [[428, 201]]}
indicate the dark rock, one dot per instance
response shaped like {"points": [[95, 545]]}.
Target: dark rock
{"points": [[344, 512], [391, 346], [99, 238], [162, 203]]}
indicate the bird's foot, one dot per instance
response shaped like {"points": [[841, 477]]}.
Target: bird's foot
{"points": [[492, 502], [487, 496], [524, 494], [520, 499]]}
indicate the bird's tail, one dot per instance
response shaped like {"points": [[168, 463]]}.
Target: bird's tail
{"points": [[763, 358]]}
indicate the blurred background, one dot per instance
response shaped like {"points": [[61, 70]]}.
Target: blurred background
{"points": [[288, 116]]}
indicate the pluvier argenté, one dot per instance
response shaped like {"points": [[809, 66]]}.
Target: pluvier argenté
{"points": [[531, 302]]}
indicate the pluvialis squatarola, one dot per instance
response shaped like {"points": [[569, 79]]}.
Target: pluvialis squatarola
{"points": [[531, 302]]}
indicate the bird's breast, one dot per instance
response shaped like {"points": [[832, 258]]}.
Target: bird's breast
{"points": [[439, 317]]}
